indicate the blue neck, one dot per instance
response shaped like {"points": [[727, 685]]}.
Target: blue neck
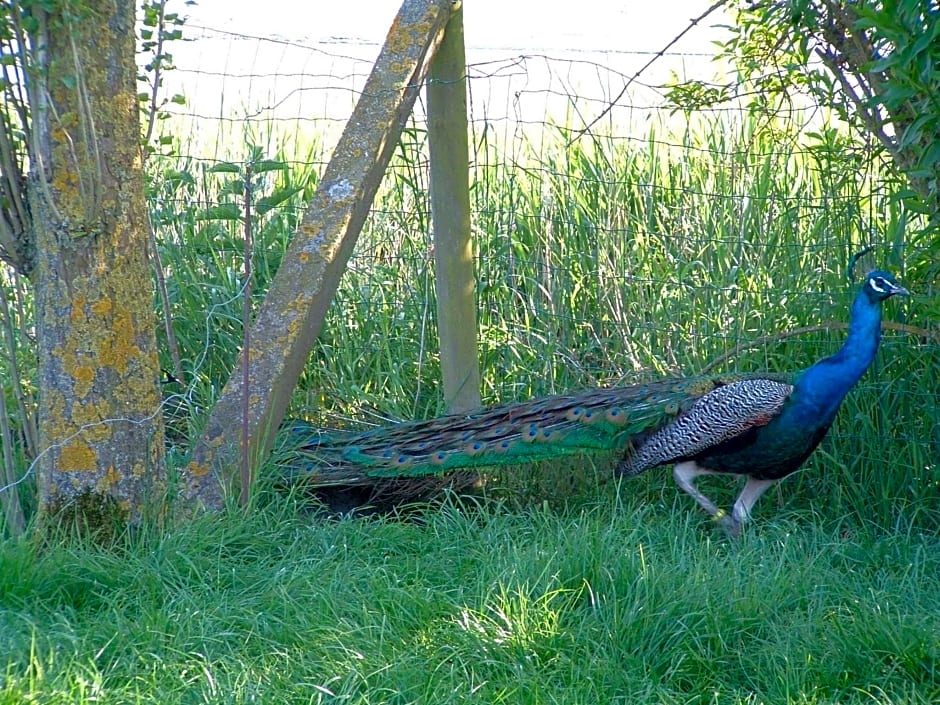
{"points": [[821, 388]]}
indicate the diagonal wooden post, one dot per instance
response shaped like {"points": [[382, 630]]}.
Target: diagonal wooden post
{"points": [[293, 311], [450, 210]]}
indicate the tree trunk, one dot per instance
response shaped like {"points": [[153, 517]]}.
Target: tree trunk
{"points": [[101, 434]]}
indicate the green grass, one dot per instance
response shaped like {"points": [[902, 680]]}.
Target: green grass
{"points": [[610, 599], [605, 262]]}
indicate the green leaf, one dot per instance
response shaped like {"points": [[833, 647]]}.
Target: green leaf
{"points": [[276, 198], [931, 157], [269, 165], [232, 187], [224, 168], [223, 211], [175, 176]]}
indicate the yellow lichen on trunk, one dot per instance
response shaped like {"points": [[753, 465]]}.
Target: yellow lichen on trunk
{"points": [[100, 428]]}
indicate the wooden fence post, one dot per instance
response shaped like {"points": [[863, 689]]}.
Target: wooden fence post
{"points": [[450, 213], [289, 320]]}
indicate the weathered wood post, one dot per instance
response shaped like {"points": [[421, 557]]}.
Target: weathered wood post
{"points": [[289, 320], [450, 212]]}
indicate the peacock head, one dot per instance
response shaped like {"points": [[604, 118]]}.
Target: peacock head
{"points": [[881, 285]]}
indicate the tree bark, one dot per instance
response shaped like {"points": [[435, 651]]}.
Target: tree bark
{"points": [[100, 431]]}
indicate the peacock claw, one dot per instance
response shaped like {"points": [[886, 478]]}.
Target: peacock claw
{"points": [[729, 525]]}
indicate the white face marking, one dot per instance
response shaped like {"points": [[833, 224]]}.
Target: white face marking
{"points": [[877, 283]]}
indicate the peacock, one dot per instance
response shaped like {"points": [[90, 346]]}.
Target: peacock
{"points": [[759, 426]]}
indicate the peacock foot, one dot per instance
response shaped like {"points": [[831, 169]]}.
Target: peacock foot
{"points": [[728, 524]]}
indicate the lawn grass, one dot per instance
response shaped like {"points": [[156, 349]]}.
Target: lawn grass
{"points": [[606, 599]]}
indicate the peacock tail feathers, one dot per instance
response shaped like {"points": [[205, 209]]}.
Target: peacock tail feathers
{"points": [[587, 422]]}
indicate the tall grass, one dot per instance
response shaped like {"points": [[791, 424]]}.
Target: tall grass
{"points": [[600, 261], [604, 260]]}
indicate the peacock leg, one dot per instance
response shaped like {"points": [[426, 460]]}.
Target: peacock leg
{"points": [[753, 489], [685, 475]]}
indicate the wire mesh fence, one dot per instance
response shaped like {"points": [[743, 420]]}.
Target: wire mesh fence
{"points": [[659, 241]]}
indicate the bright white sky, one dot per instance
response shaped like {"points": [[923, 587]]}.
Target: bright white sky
{"points": [[630, 25], [592, 45]]}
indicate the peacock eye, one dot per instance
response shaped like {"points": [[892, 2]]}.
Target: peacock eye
{"points": [[879, 284]]}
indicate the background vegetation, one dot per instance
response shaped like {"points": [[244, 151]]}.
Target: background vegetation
{"points": [[607, 262], [715, 243]]}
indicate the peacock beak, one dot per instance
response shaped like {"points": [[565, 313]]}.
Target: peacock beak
{"points": [[898, 290]]}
